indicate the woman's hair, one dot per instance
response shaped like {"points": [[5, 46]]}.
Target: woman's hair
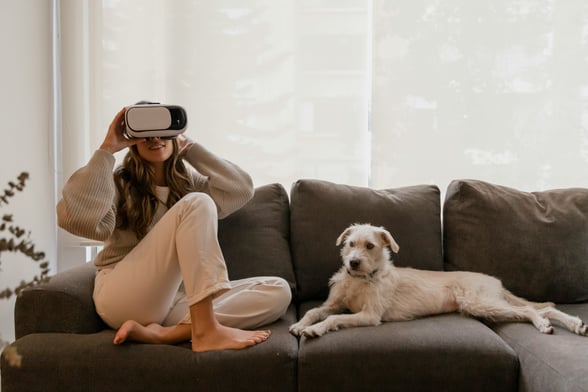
{"points": [[138, 201]]}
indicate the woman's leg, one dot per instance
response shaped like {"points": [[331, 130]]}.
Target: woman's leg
{"points": [[181, 246], [152, 333], [249, 304], [253, 302], [207, 333], [141, 287]]}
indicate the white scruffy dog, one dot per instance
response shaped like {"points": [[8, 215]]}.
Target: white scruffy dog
{"points": [[373, 290]]}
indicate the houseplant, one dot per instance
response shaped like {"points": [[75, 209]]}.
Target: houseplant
{"points": [[16, 239]]}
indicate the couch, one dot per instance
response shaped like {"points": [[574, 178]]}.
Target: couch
{"points": [[537, 243]]}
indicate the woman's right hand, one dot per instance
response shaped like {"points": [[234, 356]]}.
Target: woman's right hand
{"points": [[115, 140]]}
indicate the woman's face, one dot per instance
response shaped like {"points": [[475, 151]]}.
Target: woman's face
{"points": [[155, 150]]}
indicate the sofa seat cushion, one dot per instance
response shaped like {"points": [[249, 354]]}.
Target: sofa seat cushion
{"points": [[439, 353], [90, 362], [321, 210], [555, 362], [535, 242], [256, 238]]}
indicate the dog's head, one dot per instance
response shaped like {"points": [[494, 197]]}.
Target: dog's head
{"points": [[366, 249]]}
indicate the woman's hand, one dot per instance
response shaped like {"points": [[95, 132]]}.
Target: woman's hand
{"points": [[115, 140], [184, 143]]}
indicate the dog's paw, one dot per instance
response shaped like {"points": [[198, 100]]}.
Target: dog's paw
{"points": [[297, 329], [581, 329], [315, 331], [546, 329]]}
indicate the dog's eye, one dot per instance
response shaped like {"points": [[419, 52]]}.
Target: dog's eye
{"points": [[351, 244], [369, 245]]}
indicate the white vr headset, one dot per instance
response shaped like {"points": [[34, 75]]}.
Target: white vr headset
{"points": [[155, 120]]}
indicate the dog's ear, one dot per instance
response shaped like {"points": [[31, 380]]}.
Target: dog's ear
{"points": [[388, 240], [344, 236]]}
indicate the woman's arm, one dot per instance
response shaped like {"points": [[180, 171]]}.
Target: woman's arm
{"points": [[87, 206], [229, 185]]}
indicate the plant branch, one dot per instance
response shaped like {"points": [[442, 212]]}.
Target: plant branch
{"points": [[14, 242], [12, 186]]}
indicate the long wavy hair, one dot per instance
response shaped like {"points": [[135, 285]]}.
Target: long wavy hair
{"points": [[134, 179]]}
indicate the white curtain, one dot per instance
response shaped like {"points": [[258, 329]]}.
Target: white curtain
{"points": [[494, 90], [381, 93], [280, 87]]}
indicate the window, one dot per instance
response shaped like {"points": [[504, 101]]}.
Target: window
{"points": [[279, 87], [381, 93]]}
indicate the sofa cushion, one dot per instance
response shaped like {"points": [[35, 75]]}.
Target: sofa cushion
{"points": [[90, 362], [255, 239], [535, 242], [549, 362], [321, 210], [447, 352]]}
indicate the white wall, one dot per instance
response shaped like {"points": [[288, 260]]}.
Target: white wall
{"points": [[25, 110]]}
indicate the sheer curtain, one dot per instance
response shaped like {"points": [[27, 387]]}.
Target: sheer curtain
{"points": [[379, 93], [280, 87], [494, 90]]}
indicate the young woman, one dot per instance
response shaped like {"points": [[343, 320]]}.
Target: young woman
{"points": [[161, 277]]}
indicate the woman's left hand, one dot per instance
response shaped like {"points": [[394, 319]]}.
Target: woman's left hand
{"points": [[184, 144]]}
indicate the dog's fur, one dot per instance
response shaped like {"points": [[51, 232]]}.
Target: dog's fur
{"points": [[373, 290]]}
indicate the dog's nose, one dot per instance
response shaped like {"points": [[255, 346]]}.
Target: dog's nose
{"points": [[354, 264]]}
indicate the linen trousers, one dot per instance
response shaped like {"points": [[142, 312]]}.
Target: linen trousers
{"points": [[179, 263]]}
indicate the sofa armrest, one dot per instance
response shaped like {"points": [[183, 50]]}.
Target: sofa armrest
{"points": [[63, 304]]}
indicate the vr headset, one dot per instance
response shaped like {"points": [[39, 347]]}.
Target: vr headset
{"points": [[155, 120]]}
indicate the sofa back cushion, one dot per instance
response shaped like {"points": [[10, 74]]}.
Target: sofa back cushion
{"points": [[321, 210], [255, 239], [536, 243]]}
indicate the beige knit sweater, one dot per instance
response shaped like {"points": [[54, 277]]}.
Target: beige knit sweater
{"points": [[89, 198]]}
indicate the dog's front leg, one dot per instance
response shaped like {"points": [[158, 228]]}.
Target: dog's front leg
{"points": [[334, 322], [312, 316]]}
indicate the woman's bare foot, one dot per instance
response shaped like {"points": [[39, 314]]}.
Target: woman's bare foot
{"points": [[218, 337], [133, 331], [223, 338], [152, 333]]}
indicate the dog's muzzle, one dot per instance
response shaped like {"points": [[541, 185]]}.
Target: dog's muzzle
{"points": [[354, 264]]}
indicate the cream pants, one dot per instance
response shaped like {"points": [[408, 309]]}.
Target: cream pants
{"points": [[146, 285]]}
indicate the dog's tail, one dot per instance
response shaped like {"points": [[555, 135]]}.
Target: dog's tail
{"points": [[518, 301]]}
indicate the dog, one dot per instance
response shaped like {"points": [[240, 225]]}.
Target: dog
{"points": [[368, 290]]}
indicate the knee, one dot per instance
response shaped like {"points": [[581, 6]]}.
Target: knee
{"points": [[272, 296], [200, 203], [285, 291], [254, 302], [282, 295]]}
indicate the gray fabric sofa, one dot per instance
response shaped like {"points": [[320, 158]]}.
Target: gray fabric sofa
{"points": [[537, 243]]}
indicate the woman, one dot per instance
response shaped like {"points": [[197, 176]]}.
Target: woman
{"points": [[161, 277]]}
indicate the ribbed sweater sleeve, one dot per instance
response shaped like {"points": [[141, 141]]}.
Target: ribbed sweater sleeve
{"points": [[87, 207], [228, 185], [88, 204]]}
